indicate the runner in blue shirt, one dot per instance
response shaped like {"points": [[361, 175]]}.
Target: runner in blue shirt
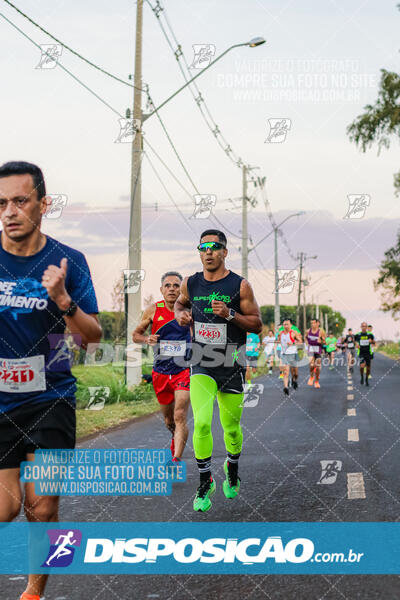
{"points": [[45, 287]]}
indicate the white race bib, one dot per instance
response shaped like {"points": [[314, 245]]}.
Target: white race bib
{"points": [[364, 342], [350, 345], [313, 348], [20, 375], [172, 347], [210, 333]]}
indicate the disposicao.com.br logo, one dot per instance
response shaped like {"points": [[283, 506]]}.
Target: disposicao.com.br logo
{"points": [[247, 551]]}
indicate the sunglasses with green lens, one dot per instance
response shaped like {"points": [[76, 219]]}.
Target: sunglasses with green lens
{"points": [[210, 245]]}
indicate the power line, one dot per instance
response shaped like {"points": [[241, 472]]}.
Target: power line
{"points": [[89, 62], [64, 68], [170, 196]]}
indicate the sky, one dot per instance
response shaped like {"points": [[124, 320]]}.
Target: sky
{"points": [[319, 68]]}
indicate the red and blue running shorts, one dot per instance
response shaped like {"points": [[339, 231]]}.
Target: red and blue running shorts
{"points": [[165, 385]]}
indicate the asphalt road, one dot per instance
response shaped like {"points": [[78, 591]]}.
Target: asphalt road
{"points": [[284, 441]]}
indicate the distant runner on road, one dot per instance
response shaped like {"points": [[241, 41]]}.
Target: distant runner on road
{"points": [[315, 339], [288, 338], [364, 341]]}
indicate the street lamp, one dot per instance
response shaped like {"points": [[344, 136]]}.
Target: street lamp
{"points": [[253, 43], [275, 230], [133, 302]]}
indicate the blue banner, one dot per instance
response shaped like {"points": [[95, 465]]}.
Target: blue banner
{"points": [[199, 548]]}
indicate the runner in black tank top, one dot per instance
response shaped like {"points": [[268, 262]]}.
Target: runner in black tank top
{"points": [[222, 309]]}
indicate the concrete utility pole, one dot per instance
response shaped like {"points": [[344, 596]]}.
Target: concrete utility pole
{"points": [[244, 224], [304, 307], [134, 300], [277, 311], [301, 258]]}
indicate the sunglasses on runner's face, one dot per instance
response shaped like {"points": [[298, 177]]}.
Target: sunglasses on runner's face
{"points": [[210, 245]]}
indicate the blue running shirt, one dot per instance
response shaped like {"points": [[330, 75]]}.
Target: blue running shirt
{"points": [[30, 323]]}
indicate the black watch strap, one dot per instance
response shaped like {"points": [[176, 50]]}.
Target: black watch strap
{"points": [[71, 310]]}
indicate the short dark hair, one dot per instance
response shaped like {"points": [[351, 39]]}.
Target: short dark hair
{"points": [[220, 234], [19, 167], [369, 325], [270, 331], [171, 274], [287, 319], [349, 329], [314, 319]]}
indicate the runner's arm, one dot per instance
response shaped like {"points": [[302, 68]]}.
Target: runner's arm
{"points": [[250, 319], [182, 307], [87, 326], [147, 318]]}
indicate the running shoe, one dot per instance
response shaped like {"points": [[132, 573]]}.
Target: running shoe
{"points": [[270, 372], [26, 596], [281, 376], [366, 381], [173, 446], [311, 380], [370, 376], [362, 379], [316, 384], [231, 488], [286, 391], [295, 384], [202, 500]]}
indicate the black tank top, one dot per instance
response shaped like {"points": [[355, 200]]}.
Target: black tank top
{"points": [[210, 329]]}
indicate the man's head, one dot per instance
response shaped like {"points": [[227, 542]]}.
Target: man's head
{"points": [[212, 249], [349, 331], [171, 285], [314, 323], [330, 334], [369, 327], [287, 324], [364, 326], [22, 199], [270, 332]]}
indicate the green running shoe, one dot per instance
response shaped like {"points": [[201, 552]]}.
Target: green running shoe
{"points": [[230, 491], [202, 500]]}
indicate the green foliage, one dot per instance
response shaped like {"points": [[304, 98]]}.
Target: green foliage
{"points": [[388, 282], [336, 321], [381, 120], [113, 324]]}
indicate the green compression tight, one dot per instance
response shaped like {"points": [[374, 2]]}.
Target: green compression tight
{"points": [[203, 390]]}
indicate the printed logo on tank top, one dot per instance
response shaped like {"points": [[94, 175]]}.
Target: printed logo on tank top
{"points": [[210, 298]]}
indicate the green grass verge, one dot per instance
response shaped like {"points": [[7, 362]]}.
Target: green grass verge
{"points": [[122, 404], [391, 350]]}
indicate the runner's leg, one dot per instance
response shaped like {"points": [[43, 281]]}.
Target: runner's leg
{"points": [[38, 509], [230, 412], [182, 399]]}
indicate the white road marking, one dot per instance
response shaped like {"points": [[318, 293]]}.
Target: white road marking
{"points": [[349, 388], [355, 486], [352, 435], [350, 396], [351, 412]]}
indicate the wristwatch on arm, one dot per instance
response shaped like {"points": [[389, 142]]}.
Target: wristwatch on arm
{"points": [[231, 314], [70, 311]]}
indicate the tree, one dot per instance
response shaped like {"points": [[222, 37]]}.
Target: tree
{"points": [[388, 281], [381, 121], [118, 303]]}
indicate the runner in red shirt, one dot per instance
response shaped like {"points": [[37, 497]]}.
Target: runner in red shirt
{"points": [[170, 375]]}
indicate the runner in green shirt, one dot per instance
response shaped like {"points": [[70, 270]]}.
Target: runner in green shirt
{"points": [[331, 342]]}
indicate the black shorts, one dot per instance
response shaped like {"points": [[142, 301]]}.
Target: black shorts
{"points": [[229, 380], [29, 427], [251, 361], [365, 358]]}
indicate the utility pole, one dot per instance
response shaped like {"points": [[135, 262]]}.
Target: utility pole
{"points": [[277, 312], [244, 224], [134, 300], [304, 308], [300, 257]]}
